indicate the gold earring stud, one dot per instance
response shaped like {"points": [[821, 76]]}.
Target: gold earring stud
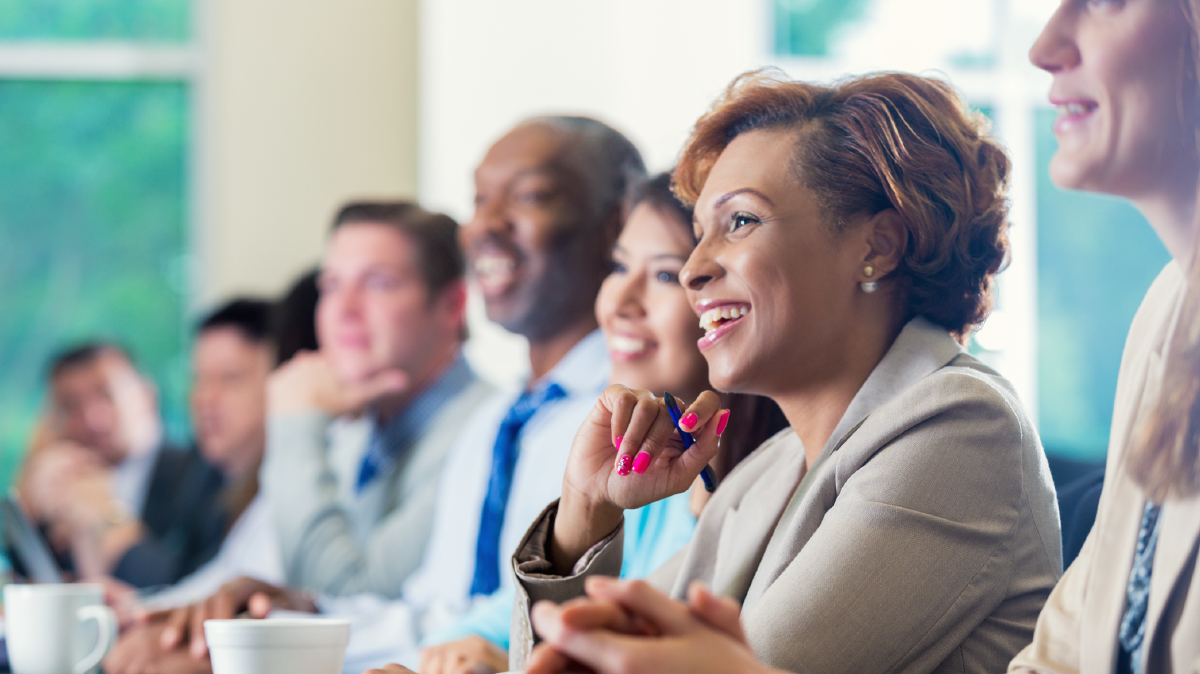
{"points": [[869, 287]]}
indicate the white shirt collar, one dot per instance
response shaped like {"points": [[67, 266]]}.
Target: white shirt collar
{"points": [[584, 370]]}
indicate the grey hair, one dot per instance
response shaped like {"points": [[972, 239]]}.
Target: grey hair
{"points": [[609, 160]]}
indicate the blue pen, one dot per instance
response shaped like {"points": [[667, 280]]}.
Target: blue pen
{"points": [[707, 474]]}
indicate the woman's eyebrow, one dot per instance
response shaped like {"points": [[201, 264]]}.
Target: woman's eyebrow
{"points": [[744, 190]]}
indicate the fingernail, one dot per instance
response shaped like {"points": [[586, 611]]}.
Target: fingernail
{"points": [[721, 424], [689, 420], [169, 635], [624, 463], [619, 439], [641, 462]]}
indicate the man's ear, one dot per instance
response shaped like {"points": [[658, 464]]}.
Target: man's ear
{"points": [[886, 239], [453, 300], [613, 224]]}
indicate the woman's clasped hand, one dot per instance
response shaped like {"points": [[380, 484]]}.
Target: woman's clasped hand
{"points": [[628, 627]]}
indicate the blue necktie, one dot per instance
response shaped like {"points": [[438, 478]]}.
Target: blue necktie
{"points": [[504, 462], [374, 460]]}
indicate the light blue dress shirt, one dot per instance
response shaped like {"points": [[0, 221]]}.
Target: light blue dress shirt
{"points": [[438, 592], [653, 534]]}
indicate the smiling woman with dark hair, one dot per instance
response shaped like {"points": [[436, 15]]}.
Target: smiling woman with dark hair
{"points": [[847, 240]]}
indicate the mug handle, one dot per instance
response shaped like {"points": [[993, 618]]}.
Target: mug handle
{"points": [[106, 635]]}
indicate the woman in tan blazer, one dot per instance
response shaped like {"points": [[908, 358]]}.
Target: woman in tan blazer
{"points": [[1125, 81], [906, 522]]}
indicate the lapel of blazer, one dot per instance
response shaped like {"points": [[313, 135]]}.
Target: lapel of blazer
{"points": [[1118, 522], [1178, 530], [1105, 602], [921, 349], [747, 529], [819, 495]]}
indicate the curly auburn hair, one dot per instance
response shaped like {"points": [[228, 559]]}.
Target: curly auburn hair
{"points": [[888, 140]]}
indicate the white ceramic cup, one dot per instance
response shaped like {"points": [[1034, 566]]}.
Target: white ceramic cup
{"points": [[49, 628], [277, 646]]}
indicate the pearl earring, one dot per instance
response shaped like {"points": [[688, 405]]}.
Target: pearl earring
{"points": [[869, 287]]}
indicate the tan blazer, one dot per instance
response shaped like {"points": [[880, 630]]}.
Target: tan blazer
{"points": [[1077, 631], [926, 538]]}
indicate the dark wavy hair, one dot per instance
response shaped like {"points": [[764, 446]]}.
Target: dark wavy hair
{"points": [[889, 140]]}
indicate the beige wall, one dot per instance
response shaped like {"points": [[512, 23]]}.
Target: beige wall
{"points": [[302, 104]]}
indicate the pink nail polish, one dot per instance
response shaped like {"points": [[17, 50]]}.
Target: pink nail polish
{"points": [[624, 464], [721, 424], [619, 439], [641, 463], [689, 420]]}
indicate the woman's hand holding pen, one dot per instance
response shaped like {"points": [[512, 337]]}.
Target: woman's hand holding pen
{"points": [[627, 454]]}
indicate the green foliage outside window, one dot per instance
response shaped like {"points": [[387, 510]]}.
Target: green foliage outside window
{"points": [[92, 236], [149, 20], [1096, 259]]}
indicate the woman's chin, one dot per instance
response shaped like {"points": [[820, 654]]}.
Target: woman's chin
{"points": [[1071, 171], [729, 381]]}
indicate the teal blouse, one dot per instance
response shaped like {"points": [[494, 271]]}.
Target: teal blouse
{"points": [[653, 534]]}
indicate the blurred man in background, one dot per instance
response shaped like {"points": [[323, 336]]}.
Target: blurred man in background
{"points": [[115, 498], [358, 431], [233, 355]]}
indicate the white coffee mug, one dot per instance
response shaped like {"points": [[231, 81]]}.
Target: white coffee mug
{"points": [[48, 628], [277, 646]]}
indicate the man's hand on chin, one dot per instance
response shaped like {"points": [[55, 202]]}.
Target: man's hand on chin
{"points": [[308, 383]]}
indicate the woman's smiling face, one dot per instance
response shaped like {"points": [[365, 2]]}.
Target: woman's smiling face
{"points": [[1125, 126], [643, 310], [776, 290]]}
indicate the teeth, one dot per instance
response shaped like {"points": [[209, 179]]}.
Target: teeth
{"points": [[492, 264], [712, 318], [1067, 109], [626, 345], [494, 272]]}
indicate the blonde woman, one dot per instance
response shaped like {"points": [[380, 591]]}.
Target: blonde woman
{"points": [[1125, 82]]}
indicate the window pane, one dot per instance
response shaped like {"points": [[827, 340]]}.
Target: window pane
{"points": [[807, 27], [92, 216], [1096, 258], [151, 20], [889, 34]]}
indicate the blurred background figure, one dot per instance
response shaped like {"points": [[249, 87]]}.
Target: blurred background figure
{"points": [[360, 428], [232, 357], [115, 498], [293, 321]]}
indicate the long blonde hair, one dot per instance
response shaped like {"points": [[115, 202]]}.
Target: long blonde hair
{"points": [[1165, 457]]}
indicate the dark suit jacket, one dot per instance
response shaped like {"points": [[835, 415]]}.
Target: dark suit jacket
{"points": [[184, 518]]}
